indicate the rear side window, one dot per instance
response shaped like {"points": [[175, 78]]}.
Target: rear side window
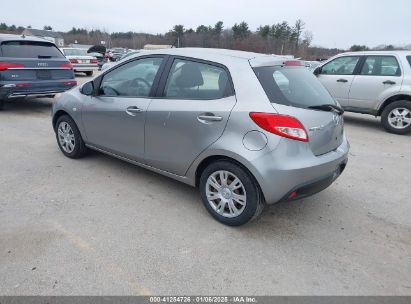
{"points": [[30, 49], [195, 80], [409, 59], [292, 87], [381, 66]]}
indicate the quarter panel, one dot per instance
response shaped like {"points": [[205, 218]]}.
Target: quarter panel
{"points": [[231, 145]]}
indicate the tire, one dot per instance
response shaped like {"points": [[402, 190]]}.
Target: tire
{"points": [[389, 117], [89, 73], [253, 202], [76, 148]]}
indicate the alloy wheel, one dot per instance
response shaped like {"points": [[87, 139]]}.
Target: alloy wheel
{"points": [[226, 193], [66, 137], [399, 118]]}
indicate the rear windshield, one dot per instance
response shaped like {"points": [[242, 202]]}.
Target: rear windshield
{"points": [[292, 86], [30, 49], [75, 52]]}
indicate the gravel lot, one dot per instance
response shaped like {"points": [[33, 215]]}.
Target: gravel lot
{"points": [[99, 226]]}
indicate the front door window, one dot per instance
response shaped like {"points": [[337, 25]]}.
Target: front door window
{"points": [[134, 79], [341, 66]]}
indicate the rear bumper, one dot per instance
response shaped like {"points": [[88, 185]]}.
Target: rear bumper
{"points": [[12, 90], [315, 186], [286, 170], [34, 94]]}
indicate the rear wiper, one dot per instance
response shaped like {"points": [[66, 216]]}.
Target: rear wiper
{"points": [[328, 107]]}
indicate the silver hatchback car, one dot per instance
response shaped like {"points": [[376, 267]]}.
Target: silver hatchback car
{"points": [[247, 129]]}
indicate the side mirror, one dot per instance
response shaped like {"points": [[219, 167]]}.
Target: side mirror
{"points": [[317, 71], [87, 88]]}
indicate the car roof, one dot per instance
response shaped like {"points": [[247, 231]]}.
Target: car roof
{"points": [[10, 37], [190, 52], [219, 55], [376, 52]]}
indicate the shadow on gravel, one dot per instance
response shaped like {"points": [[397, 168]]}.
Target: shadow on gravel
{"points": [[366, 122], [285, 217], [27, 106]]}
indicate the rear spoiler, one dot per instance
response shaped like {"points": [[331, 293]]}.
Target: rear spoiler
{"points": [[273, 60]]}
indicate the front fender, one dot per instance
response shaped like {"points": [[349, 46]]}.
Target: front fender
{"points": [[70, 103]]}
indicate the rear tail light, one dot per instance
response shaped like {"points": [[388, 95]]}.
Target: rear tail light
{"points": [[10, 65], [72, 83], [21, 85], [67, 65], [292, 63], [72, 60], [94, 61], [282, 125]]}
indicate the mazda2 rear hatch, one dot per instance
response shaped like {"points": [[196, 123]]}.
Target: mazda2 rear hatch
{"points": [[294, 91]]}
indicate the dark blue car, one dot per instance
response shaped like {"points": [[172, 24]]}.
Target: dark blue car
{"points": [[31, 66]]}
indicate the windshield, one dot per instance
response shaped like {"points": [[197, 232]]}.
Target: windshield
{"points": [[30, 49], [128, 55], [75, 52], [292, 86]]}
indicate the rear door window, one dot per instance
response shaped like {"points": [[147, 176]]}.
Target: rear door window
{"points": [[195, 80], [290, 86], [381, 66], [341, 66], [30, 49]]}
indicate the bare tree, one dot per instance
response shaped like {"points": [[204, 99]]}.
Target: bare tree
{"points": [[298, 29]]}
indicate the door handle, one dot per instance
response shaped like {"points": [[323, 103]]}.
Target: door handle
{"points": [[133, 110], [342, 80], [209, 117], [389, 82]]}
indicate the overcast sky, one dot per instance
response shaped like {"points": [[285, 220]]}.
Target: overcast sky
{"points": [[334, 23]]}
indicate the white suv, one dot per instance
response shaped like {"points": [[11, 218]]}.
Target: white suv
{"points": [[373, 82]]}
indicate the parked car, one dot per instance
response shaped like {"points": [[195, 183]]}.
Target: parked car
{"points": [[372, 82], [100, 59], [311, 65], [215, 119], [110, 64], [33, 67], [81, 60], [116, 53]]}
